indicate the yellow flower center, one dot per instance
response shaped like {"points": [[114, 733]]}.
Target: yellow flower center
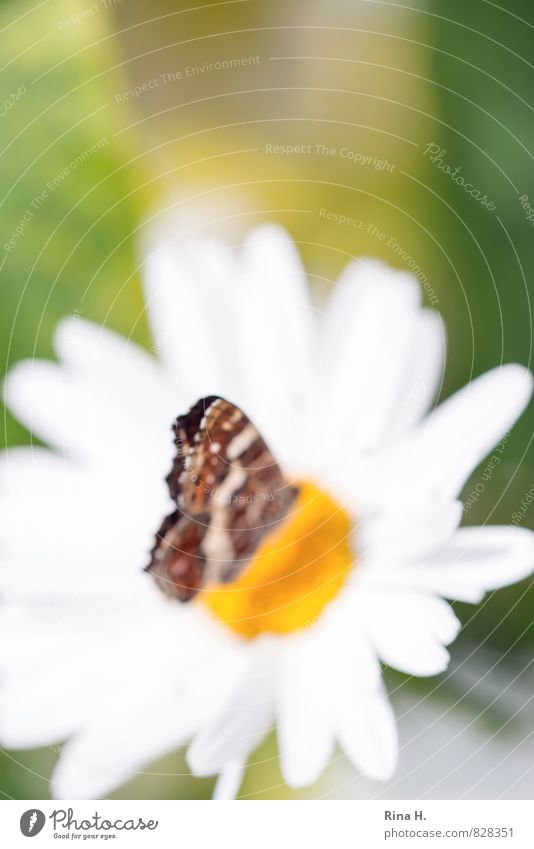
{"points": [[298, 569]]}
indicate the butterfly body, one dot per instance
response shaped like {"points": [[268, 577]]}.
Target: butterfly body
{"points": [[229, 494]]}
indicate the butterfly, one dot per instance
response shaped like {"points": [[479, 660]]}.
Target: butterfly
{"points": [[229, 494]]}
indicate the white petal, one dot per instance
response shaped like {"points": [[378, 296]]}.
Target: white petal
{"points": [[364, 720], [305, 732], [276, 336], [191, 290], [229, 781], [369, 337], [79, 524], [120, 372], [367, 733], [73, 662], [25, 575], [43, 698], [64, 412], [340, 625], [438, 456], [240, 724], [407, 629], [408, 533], [115, 748], [425, 372], [462, 430], [475, 561], [37, 712]]}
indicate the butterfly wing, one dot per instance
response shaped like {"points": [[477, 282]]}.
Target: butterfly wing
{"points": [[229, 493]]}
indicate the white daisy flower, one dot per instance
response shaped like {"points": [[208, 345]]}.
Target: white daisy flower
{"points": [[101, 658]]}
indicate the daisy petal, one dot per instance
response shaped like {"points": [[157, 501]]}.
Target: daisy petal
{"points": [[72, 496], [425, 372], [229, 781], [415, 532], [368, 343], [21, 466], [32, 713], [191, 292], [408, 629], [118, 370], [485, 409], [475, 561], [364, 720], [241, 723], [116, 645], [305, 732], [439, 455], [113, 751], [53, 404], [367, 733], [273, 291]]}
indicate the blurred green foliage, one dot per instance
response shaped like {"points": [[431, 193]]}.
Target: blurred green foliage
{"points": [[76, 249]]}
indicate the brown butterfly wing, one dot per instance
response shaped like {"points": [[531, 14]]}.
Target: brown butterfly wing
{"points": [[176, 560], [229, 492]]}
